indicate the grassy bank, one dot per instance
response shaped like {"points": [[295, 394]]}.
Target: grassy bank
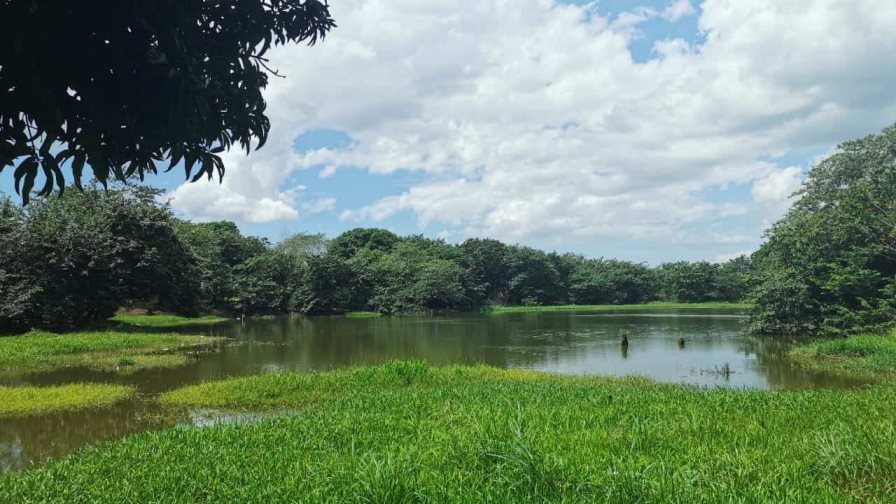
{"points": [[362, 314], [165, 321], [871, 356], [27, 401], [97, 350], [614, 308], [408, 433]]}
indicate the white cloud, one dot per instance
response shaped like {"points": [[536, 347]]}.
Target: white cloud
{"points": [[529, 119], [319, 205], [723, 258], [204, 201], [678, 9], [775, 190]]}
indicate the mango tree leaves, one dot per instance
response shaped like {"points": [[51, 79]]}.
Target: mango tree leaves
{"points": [[121, 85]]}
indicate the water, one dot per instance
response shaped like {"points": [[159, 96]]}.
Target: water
{"points": [[559, 342]]}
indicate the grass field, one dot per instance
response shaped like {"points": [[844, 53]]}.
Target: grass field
{"points": [[613, 308], [165, 321], [26, 401], [97, 350], [405, 432]]}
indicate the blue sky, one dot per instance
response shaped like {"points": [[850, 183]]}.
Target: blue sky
{"points": [[649, 131]]}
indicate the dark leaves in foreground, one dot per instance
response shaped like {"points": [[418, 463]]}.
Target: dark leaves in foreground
{"points": [[118, 86]]}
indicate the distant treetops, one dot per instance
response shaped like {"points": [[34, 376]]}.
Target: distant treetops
{"points": [[71, 261]]}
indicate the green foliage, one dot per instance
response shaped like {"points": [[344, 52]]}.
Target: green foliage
{"points": [[865, 355], [27, 401], [418, 274], [404, 432], [263, 282], [600, 281], [534, 278], [71, 261], [486, 262], [829, 266], [327, 285], [119, 86], [301, 246], [166, 321], [352, 242]]}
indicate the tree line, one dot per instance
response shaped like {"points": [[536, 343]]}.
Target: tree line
{"points": [[828, 266], [73, 260]]}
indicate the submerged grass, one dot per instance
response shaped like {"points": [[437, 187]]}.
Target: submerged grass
{"points": [[97, 350], [405, 432], [165, 321], [27, 401], [362, 314], [627, 307], [866, 356]]}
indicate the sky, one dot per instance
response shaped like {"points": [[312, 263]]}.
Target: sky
{"points": [[647, 131]]}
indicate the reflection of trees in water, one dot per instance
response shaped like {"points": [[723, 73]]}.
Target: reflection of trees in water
{"points": [[781, 372], [526, 339]]}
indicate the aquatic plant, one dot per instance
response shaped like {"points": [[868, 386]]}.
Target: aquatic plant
{"points": [[407, 432]]}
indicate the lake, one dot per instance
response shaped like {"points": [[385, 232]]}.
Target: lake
{"points": [[715, 352]]}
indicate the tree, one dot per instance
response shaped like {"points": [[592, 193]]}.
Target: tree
{"points": [[417, 275], [689, 282], [534, 280], [349, 243], [602, 281], [70, 261], [262, 284], [734, 279], [486, 263], [325, 286], [120, 85], [828, 265], [218, 248], [301, 246]]}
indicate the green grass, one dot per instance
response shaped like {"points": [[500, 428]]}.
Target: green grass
{"points": [[362, 314], [613, 308], [165, 321], [871, 356], [27, 401], [405, 432], [97, 350]]}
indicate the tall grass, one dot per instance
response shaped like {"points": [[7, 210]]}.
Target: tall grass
{"points": [[867, 355], [26, 401], [362, 314], [406, 432], [165, 321], [96, 350]]}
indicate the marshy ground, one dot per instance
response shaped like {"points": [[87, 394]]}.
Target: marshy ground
{"points": [[410, 432]]}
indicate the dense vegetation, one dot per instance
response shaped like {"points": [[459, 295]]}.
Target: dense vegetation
{"points": [[829, 266], [71, 261], [408, 433], [867, 355]]}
